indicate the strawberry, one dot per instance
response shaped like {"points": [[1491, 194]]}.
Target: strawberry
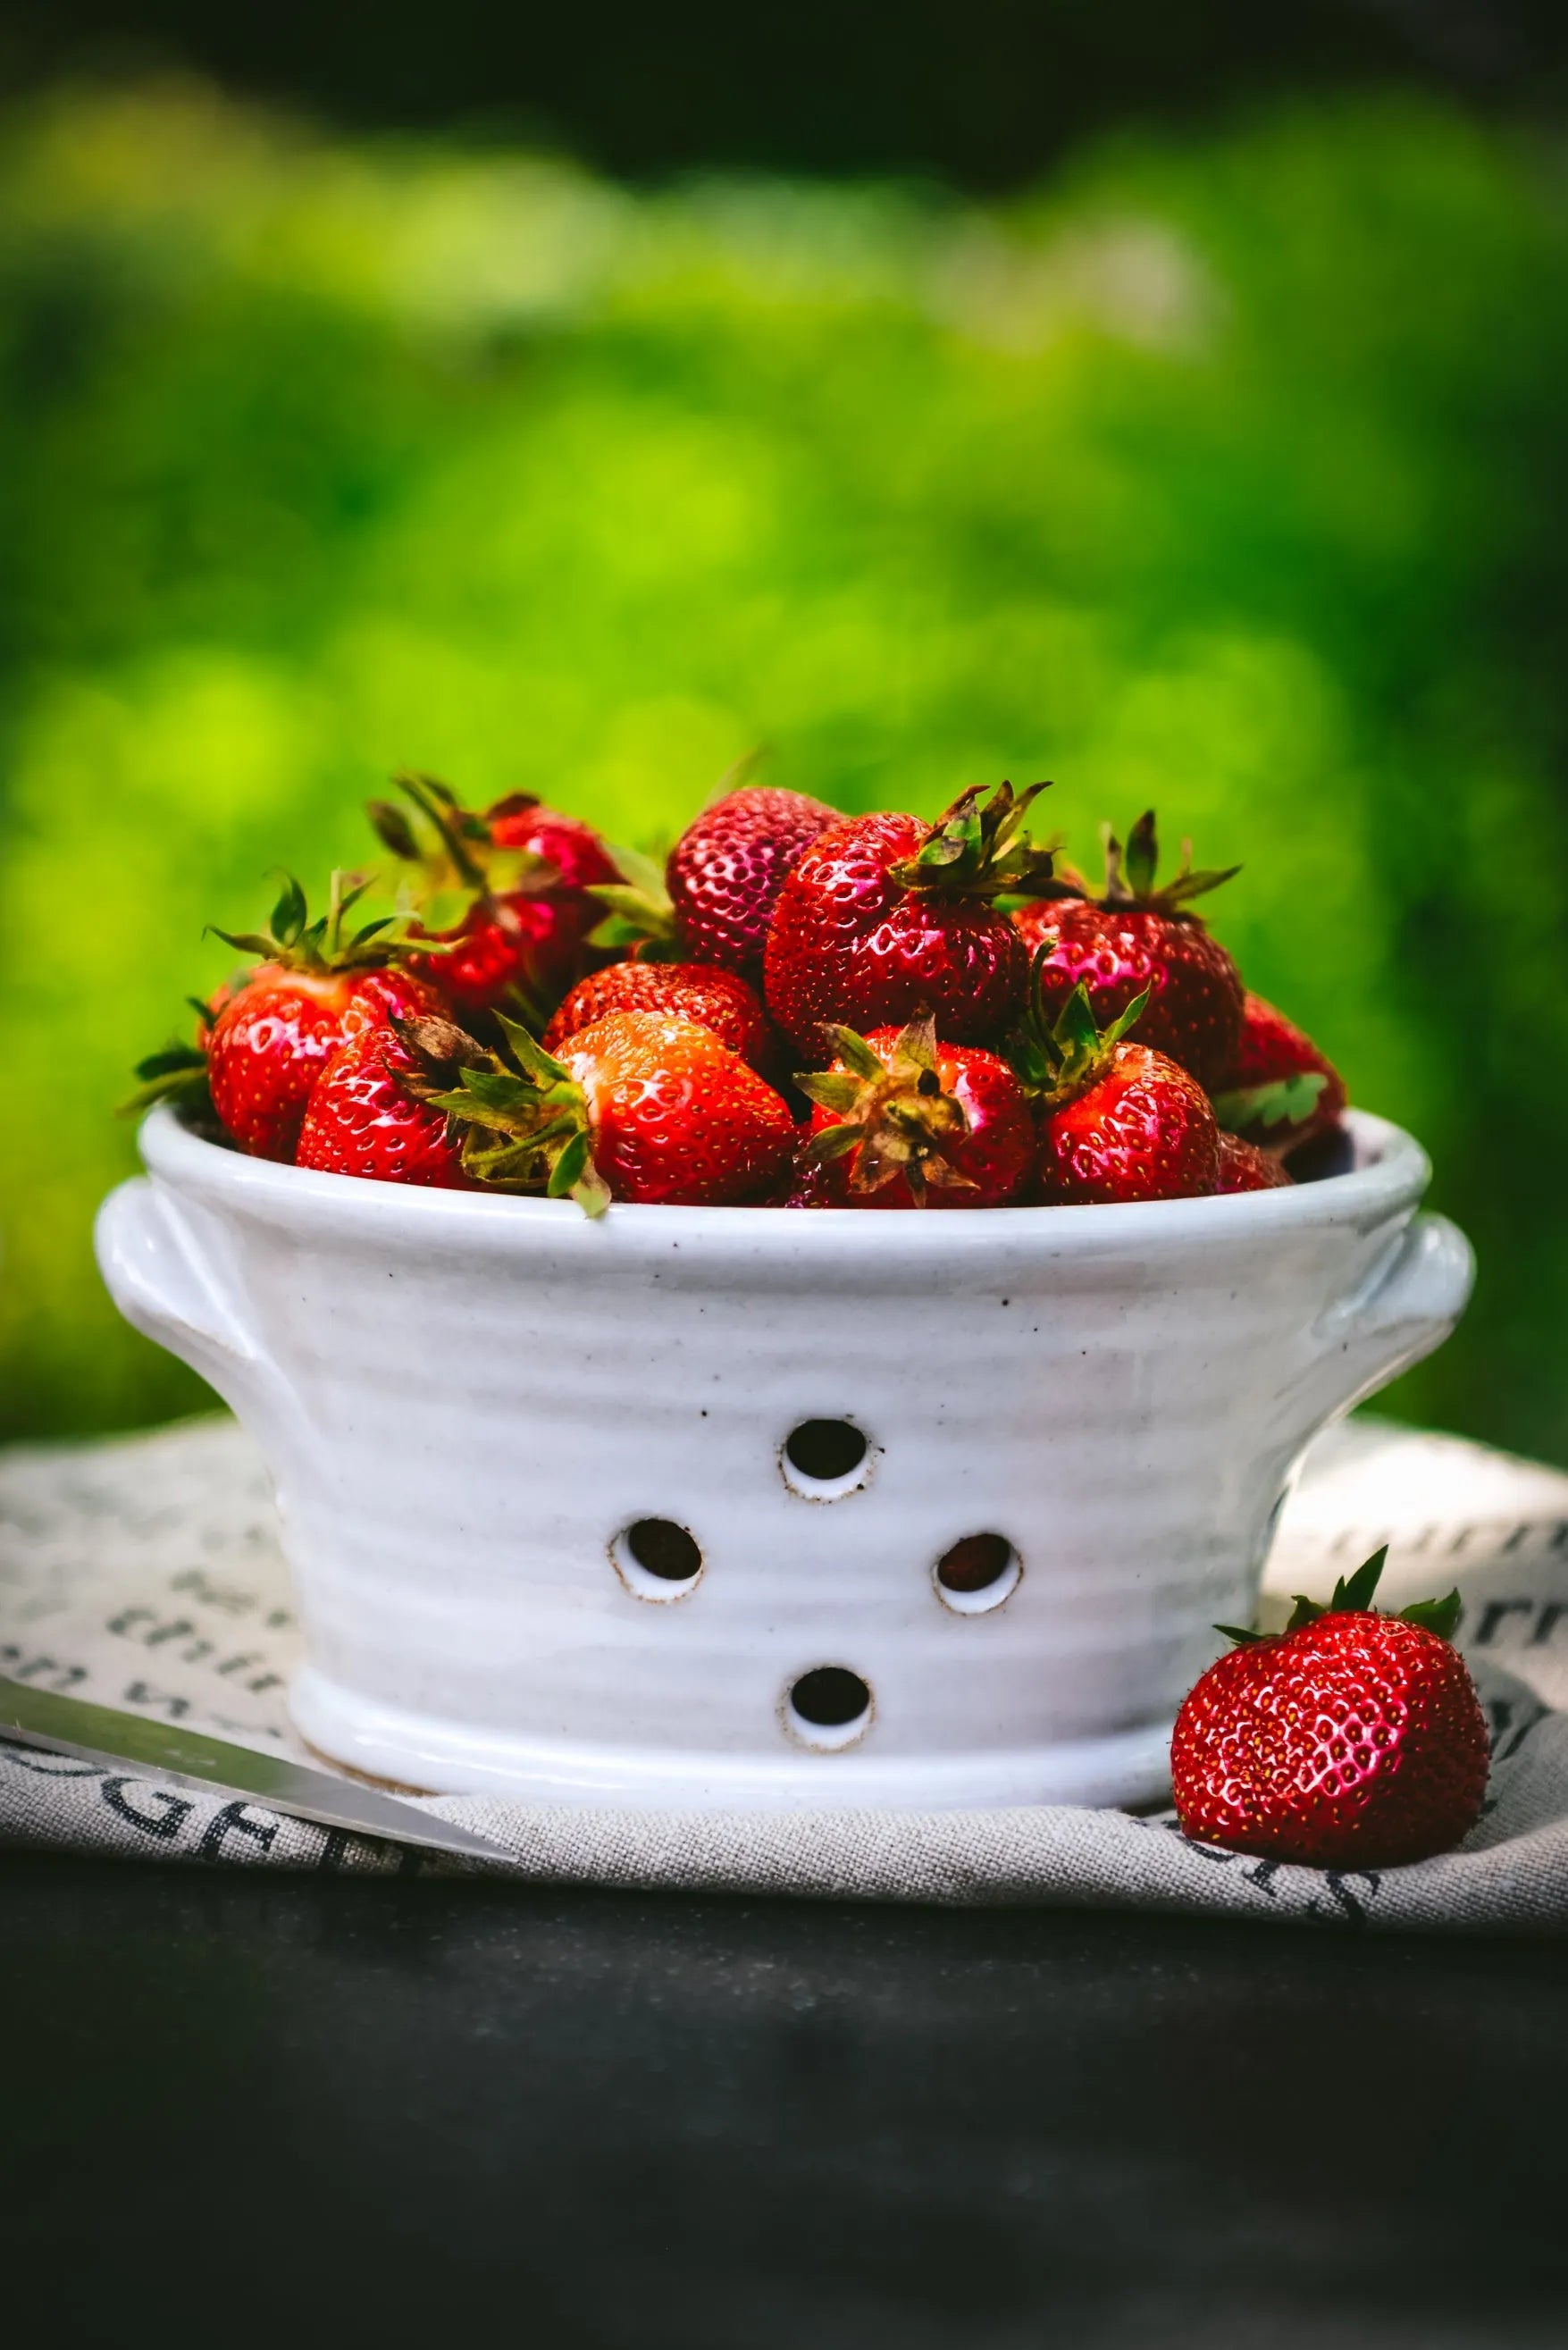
{"points": [[1279, 1091], [1353, 1738], [714, 899], [719, 1000], [1244, 1167], [906, 1122], [725, 872], [642, 1105], [1115, 1120], [505, 892], [369, 1111], [1134, 937], [278, 1028], [885, 918]]}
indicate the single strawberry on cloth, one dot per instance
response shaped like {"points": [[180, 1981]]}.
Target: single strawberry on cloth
{"points": [[146, 1574]]}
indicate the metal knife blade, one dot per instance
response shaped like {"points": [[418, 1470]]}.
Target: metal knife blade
{"points": [[98, 1733]]}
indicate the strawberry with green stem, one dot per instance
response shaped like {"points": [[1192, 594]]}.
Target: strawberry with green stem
{"points": [[1138, 938], [903, 1121], [371, 1111], [318, 984], [884, 918], [1115, 1120], [713, 899], [1354, 1739], [504, 892], [641, 1106]]}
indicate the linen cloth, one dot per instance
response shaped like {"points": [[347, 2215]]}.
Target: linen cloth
{"points": [[146, 1574]]}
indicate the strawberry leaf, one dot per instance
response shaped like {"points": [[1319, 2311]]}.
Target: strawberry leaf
{"points": [[393, 830], [832, 1089], [1143, 854], [1240, 1636], [1284, 1101], [288, 916], [569, 1167], [1439, 1616], [1125, 1020], [535, 1062], [855, 1052], [1362, 1588]]}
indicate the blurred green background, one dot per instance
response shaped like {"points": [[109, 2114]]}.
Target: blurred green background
{"points": [[1221, 470]]}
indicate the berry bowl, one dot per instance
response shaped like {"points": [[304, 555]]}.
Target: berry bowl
{"points": [[740, 1506]]}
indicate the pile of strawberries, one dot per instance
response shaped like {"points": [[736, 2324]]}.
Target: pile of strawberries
{"points": [[802, 1010]]}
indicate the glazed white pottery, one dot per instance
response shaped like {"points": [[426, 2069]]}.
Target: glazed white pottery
{"points": [[468, 1400]]}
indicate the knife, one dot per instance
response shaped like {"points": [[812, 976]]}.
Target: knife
{"points": [[98, 1733]]}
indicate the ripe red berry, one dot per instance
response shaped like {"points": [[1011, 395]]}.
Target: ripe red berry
{"points": [[315, 986], [1354, 1740], [641, 1106], [370, 1114], [1115, 1122], [885, 918], [903, 1121], [505, 892], [1134, 938], [725, 872], [273, 1036], [1244, 1167], [719, 1000], [1141, 1130], [1280, 1090]]}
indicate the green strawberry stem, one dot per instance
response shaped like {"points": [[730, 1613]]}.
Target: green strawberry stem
{"points": [[893, 1113], [1354, 1596], [292, 941], [1055, 1061], [979, 848], [464, 869], [177, 1074], [528, 1128], [1130, 872]]}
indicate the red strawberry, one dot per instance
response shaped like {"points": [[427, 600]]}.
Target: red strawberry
{"points": [[1116, 1121], [725, 872], [276, 1031], [516, 880], [1353, 1740], [1135, 937], [369, 1112], [642, 1105], [906, 1122], [885, 918], [720, 999], [714, 897], [1280, 1090], [575, 849], [1244, 1167]]}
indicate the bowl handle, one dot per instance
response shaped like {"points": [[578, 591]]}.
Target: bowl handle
{"points": [[171, 1288], [1407, 1305]]}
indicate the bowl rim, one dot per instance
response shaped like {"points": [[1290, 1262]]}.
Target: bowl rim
{"points": [[1392, 1172]]}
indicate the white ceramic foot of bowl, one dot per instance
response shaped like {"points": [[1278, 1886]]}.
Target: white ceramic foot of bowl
{"points": [[417, 1752]]}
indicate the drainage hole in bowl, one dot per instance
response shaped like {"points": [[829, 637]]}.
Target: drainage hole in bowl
{"points": [[977, 1574], [828, 1707], [657, 1559], [824, 1457]]}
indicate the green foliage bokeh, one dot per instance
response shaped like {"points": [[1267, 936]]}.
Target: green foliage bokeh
{"points": [[1222, 474]]}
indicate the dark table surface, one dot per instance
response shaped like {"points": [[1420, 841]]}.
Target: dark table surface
{"points": [[401, 2111]]}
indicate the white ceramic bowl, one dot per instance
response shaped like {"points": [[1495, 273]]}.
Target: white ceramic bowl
{"points": [[466, 1401]]}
